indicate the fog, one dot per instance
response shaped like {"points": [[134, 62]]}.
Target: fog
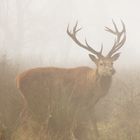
{"points": [[33, 34], [34, 31]]}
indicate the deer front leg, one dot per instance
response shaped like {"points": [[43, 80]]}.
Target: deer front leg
{"points": [[94, 126], [86, 128], [82, 131]]}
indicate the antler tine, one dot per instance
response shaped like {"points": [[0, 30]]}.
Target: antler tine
{"points": [[123, 32], [115, 26], [101, 48], [75, 30], [86, 45], [118, 43], [109, 30], [75, 27], [124, 29]]}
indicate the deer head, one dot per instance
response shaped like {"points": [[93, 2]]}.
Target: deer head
{"points": [[104, 63]]}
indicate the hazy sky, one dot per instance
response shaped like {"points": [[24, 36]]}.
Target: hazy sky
{"points": [[58, 49]]}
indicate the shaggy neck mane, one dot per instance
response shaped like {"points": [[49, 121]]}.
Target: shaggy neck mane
{"points": [[104, 81]]}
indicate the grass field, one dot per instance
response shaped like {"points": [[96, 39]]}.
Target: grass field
{"points": [[117, 114]]}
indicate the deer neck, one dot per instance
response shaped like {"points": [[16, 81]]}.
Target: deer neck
{"points": [[103, 81], [100, 82]]}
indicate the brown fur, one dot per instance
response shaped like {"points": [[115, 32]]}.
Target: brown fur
{"points": [[82, 83], [83, 86]]}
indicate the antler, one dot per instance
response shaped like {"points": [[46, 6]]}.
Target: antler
{"points": [[86, 46], [120, 38]]}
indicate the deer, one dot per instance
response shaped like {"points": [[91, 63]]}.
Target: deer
{"points": [[85, 86]]}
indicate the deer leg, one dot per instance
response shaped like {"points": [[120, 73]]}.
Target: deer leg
{"points": [[94, 126], [93, 122], [81, 132], [83, 129], [23, 114]]}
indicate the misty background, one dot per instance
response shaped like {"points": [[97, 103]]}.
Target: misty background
{"points": [[33, 32]]}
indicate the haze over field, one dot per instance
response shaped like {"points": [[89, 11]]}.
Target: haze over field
{"points": [[34, 31], [33, 34]]}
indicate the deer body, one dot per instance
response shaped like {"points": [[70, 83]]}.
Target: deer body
{"points": [[84, 86], [82, 83]]}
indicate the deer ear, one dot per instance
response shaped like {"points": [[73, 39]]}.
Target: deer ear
{"points": [[115, 56], [93, 58]]}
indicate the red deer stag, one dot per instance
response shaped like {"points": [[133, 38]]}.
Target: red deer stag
{"points": [[84, 85]]}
